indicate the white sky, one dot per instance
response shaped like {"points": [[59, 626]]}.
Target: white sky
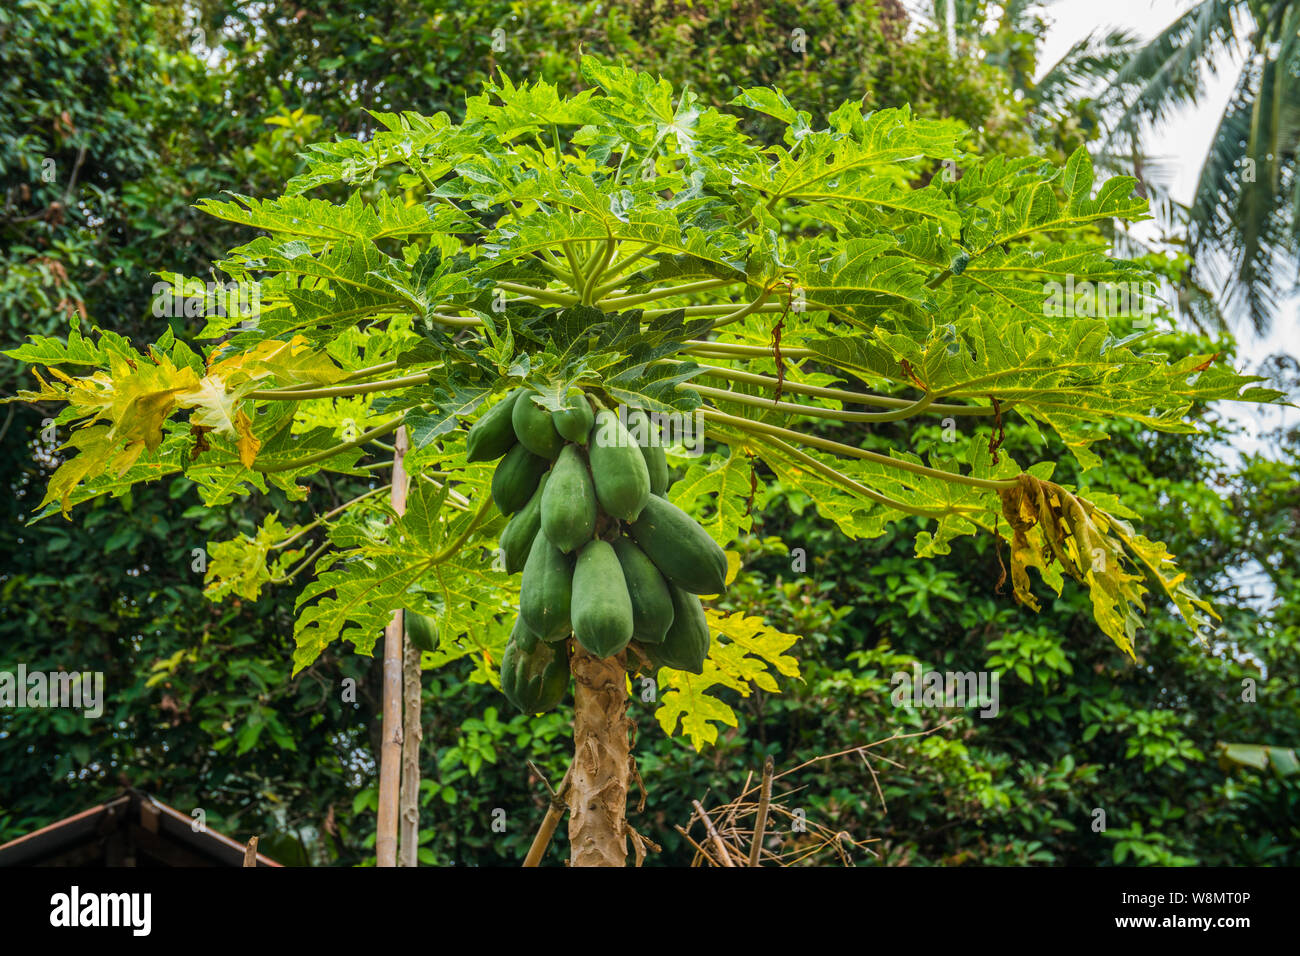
{"points": [[1184, 142]]}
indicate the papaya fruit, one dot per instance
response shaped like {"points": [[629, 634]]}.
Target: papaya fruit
{"points": [[568, 513], [546, 590], [618, 468], [518, 536], [494, 433], [647, 436], [680, 548], [602, 608], [656, 462], [535, 427], [509, 668], [574, 421], [421, 630], [516, 478], [652, 605], [686, 644], [534, 680], [523, 635]]}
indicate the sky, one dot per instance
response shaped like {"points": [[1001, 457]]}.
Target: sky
{"points": [[1182, 144]]}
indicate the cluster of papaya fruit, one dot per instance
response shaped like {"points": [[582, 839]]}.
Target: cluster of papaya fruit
{"points": [[606, 558]]}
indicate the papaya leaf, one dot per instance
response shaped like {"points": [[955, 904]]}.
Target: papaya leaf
{"points": [[731, 490], [240, 566], [750, 652]]}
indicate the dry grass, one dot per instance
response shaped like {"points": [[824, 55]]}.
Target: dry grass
{"points": [[786, 836]]}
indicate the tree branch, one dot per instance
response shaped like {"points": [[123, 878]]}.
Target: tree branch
{"points": [[748, 424]]}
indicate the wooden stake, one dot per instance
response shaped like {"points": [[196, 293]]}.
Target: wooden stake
{"points": [[760, 822], [413, 734], [390, 752], [552, 819]]}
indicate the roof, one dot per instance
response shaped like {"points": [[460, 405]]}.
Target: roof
{"points": [[131, 829]]}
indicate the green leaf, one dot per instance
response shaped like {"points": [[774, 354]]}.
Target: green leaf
{"points": [[726, 483]]}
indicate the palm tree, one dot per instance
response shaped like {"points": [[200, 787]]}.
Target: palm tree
{"points": [[1008, 34], [1243, 224]]}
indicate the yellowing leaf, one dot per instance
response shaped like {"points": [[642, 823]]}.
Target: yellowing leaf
{"points": [[214, 406], [242, 566], [247, 443], [290, 362], [750, 648], [726, 485], [1095, 548], [217, 408]]}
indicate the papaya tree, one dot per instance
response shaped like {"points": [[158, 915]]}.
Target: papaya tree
{"points": [[564, 303]]}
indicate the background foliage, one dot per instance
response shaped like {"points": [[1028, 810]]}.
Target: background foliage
{"points": [[201, 709]]}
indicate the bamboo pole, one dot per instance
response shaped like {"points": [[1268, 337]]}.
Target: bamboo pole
{"points": [[412, 736], [412, 687], [390, 753]]}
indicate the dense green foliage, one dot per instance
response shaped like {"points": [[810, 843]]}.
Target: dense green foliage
{"points": [[203, 711], [197, 708]]}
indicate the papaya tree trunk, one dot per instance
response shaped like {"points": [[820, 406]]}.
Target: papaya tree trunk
{"points": [[598, 788]]}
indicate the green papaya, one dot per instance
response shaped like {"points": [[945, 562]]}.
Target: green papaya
{"points": [[602, 608], [574, 421], [421, 630], [523, 635], [494, 433], [518, 536], [686, 644], [509, 663], [546, 590], [516, 478], [647, 436], [652, 605], [534, 680], [535, 427], [569, 502], [680, 548], [618, 468]]}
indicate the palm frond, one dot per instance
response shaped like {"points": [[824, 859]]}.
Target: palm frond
{"points": [[1165, 73], [1244, 207], [1084, 68], [1243, 224]]}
